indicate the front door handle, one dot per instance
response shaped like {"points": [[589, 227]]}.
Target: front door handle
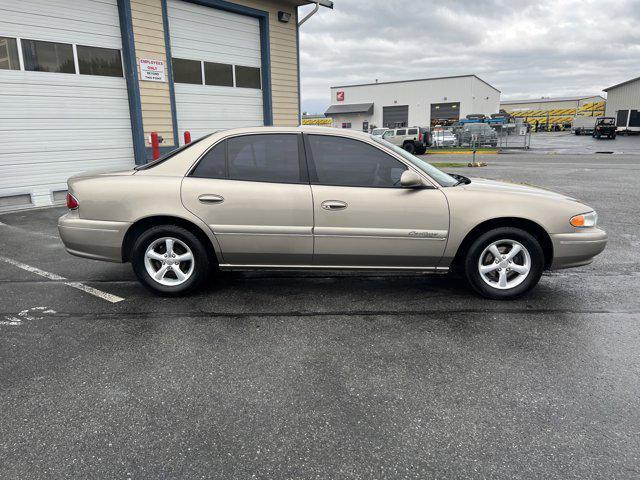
{"points": [[334, 205], [211, 198]]}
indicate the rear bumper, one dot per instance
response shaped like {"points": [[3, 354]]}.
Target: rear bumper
{"points": [[96, 239], [576, 249]]}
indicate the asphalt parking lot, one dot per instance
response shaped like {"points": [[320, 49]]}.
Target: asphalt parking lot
{"points": [[280, 375]]}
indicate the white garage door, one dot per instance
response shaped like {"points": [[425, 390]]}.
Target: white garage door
{"points": [[63, 97], [216, 68]]}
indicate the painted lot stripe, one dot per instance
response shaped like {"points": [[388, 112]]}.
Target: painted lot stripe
{"points": [[55, 277]]}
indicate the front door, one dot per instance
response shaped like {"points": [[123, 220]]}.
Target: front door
{"points": [[363, 217], [254, 194]]}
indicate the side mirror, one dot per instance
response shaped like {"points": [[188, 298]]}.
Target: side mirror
{"points": [[410, 179]]}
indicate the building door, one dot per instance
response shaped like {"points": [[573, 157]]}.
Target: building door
{"points": [[395, 116], [216, 68], [64, 105], [445, 113]]}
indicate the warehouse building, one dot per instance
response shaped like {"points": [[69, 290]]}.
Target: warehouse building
{"points": [[550, 103], [84, 82], [623, 103], [423, 102]]}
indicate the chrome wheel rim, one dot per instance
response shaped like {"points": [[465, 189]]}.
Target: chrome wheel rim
{"points": [[504, 264], [169, 261]]}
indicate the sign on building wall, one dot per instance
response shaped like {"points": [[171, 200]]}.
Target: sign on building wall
{"points": [[340, 96], [152, 70]]}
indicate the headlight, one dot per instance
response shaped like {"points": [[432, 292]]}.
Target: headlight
{"points": [[584, 220]]}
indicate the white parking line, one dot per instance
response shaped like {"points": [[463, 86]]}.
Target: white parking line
{"points": [[53, 276]]}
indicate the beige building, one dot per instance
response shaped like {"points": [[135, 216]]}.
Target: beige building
{"points": [[86, 82]]}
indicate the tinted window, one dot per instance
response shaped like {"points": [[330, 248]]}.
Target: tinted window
{"points": [[264, 158], [218, 74], [99, 61], [212, 164], [413, 131], [9, 54], [401, 132], [47, 56], [351, 163], [247, 77], [186, 71]]}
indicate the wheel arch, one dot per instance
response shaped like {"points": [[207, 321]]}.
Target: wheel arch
{"points": [[145, 223], [527, 225]]}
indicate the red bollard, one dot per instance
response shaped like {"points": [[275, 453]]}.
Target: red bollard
{"points": [[187, 137], [155, 145]]}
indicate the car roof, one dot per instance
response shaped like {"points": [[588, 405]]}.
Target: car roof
{"points": [[300, 129]]}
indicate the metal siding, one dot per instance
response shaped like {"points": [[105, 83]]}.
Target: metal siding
{"points": [[205, 33], [55, 125], [624, 97]]}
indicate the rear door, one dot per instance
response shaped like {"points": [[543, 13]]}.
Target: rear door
{"points": [[363, 217], [253, 192]]}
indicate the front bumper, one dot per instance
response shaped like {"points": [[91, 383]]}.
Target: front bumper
{"points": [[578, 248], [96, 239]]}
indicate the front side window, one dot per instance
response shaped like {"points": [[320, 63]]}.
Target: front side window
{"points": [[264, 158], [248, 77], [99, 61], [186, 71], [48, 56], [9, 54], [351, 163]]}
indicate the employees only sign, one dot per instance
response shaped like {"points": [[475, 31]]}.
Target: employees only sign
{"points": [[152, 70]]}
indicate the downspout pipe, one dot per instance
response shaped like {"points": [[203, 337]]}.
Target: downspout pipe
{"points": [[311, 14]]}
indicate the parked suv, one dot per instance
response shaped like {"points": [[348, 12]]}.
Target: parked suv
{"points": [[412, 139], [477, 134]]}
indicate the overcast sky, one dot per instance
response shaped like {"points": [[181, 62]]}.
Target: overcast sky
{"points": [[526, 49]]}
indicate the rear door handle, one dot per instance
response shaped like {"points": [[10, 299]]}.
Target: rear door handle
{"points": [[211, 198], [333, 205]]}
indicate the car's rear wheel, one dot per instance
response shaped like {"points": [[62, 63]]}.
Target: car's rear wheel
{"points": [[504, 263], [409, 147], [170, 260]]}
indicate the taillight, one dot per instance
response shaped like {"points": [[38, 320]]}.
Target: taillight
{"points": [[419, 136], [72, 203]]}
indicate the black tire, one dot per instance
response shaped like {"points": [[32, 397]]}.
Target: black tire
{"points": [[409, 147], [613, 137], [201, 261], [422, 151], [472, 260]]}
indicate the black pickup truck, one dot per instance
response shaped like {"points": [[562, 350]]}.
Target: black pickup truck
{"points": [[605, 127]]}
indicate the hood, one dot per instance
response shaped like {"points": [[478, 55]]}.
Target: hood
{"points": [[482, 184]]}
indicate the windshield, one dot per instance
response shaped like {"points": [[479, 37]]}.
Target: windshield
{"points": [[439, 176], [606, 121]]}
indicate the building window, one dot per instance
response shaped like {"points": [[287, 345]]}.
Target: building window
{"points": [[99, 61], [247, 77], [219, 74], [9, 54], [346, 125], [187, 71], [47, 56]]}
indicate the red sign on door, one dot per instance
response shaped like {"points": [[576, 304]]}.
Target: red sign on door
{"points": [[340, 96]]}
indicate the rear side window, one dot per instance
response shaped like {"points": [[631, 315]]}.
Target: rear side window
{"points": [[264, 158], [212, 164], [351, 163], [401, 132], [413, 131]]}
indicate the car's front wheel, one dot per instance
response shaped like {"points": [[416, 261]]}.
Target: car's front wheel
{"points": [[170, 260], [504, 263]]}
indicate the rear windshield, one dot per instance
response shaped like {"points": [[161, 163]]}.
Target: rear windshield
{"points": [[170, 154]]}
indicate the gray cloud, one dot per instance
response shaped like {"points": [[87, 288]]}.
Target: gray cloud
{"points": [[524, 48]]}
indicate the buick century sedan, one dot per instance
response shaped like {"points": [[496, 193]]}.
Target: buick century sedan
{"points": [[319, 198]]}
